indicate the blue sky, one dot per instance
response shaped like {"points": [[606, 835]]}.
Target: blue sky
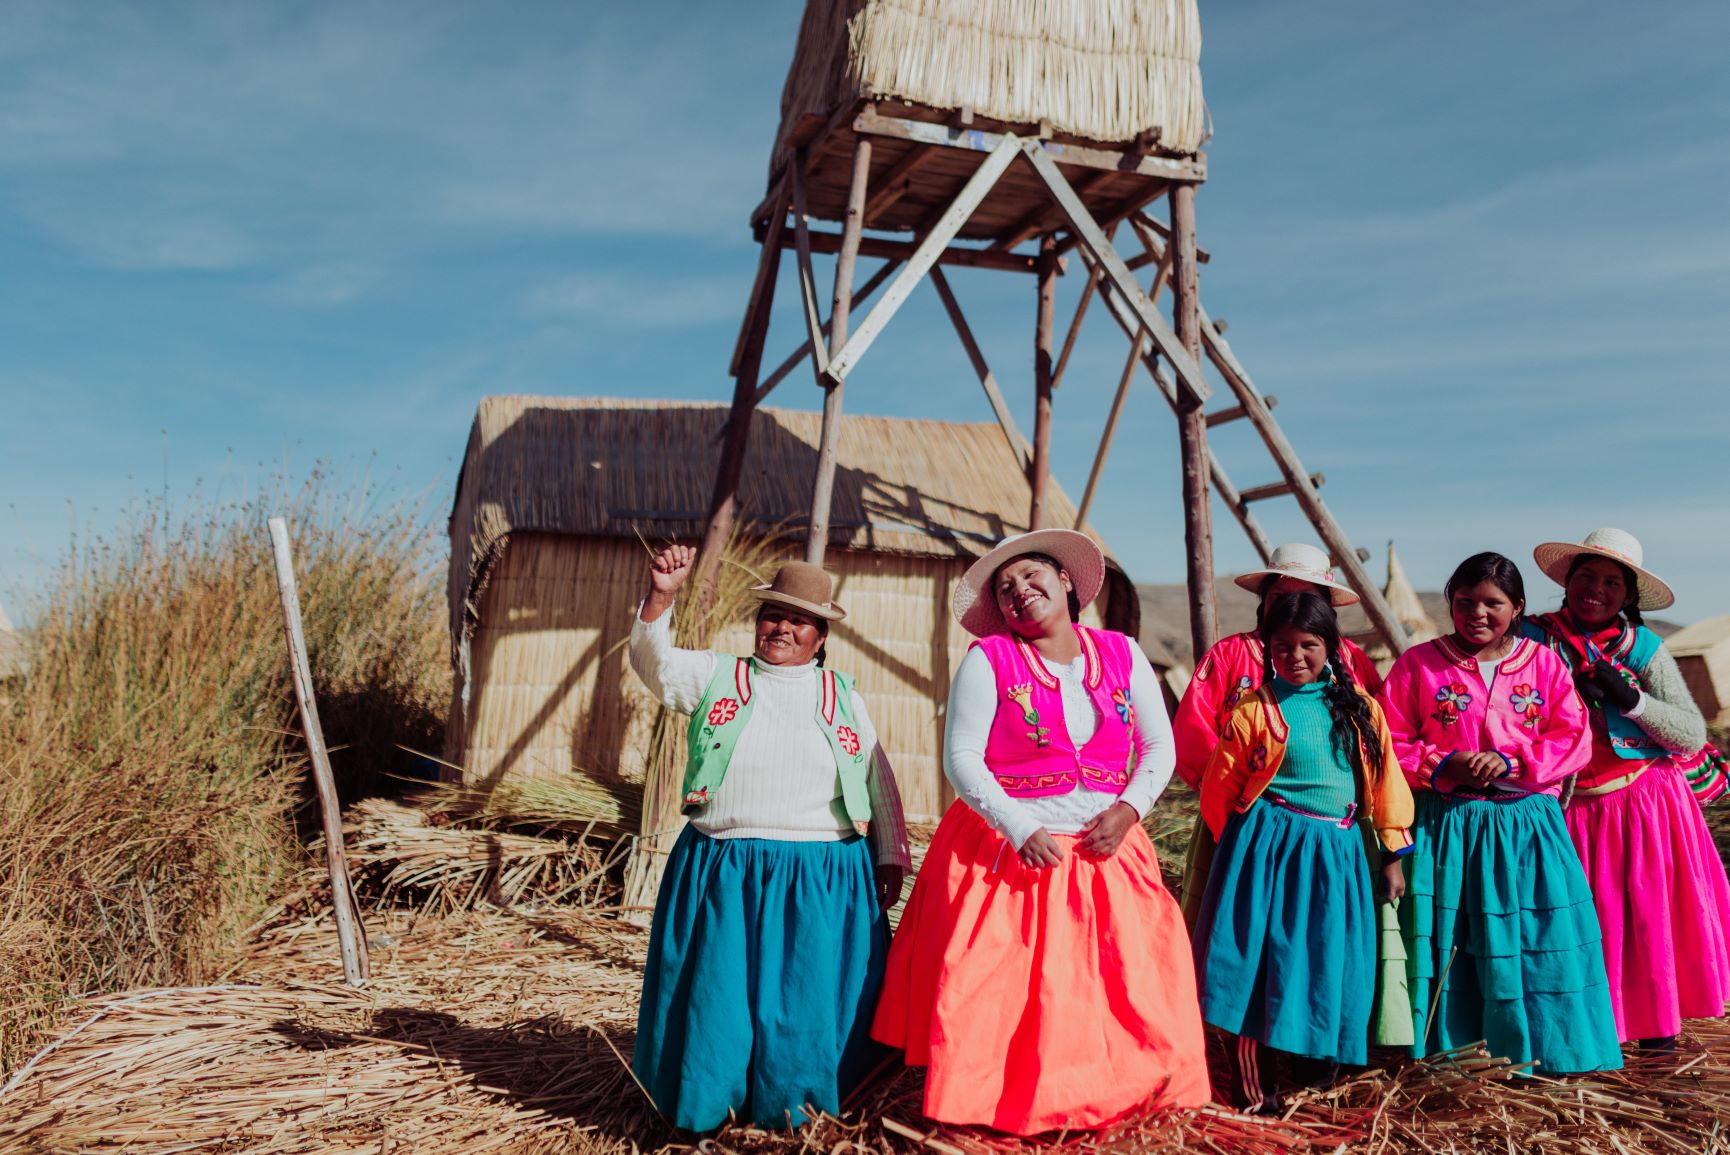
{"points": [[1480, 252]]}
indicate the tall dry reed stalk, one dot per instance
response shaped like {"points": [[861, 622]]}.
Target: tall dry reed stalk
{"points": [[150, 763]]}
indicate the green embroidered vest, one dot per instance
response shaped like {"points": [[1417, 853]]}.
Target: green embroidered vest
{"points": [[720, 718]]}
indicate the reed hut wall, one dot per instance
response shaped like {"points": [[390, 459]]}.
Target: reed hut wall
{"points": [[1702, 650], [561, 500], [1101, 70]]}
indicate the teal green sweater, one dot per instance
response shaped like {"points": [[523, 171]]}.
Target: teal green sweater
{"points": [[1315, 775]]}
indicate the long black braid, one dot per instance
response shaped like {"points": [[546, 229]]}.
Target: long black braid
{"points": [[1311, 613]]}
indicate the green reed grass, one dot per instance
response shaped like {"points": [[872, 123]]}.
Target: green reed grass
{"points": [[151, 770]]}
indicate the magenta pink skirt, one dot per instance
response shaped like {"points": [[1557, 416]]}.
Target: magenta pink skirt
{"points": [[1663, 902]]}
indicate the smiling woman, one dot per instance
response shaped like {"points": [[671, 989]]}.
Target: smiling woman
{"points": [[793, 810]]}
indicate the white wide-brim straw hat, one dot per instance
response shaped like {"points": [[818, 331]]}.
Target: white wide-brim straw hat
{"points": [[805, 587], [1304, 562], [1652, 591], [975, 605]]}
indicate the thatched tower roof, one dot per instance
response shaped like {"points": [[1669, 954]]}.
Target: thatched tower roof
{"points": [[614, 468], [1099, 70]]}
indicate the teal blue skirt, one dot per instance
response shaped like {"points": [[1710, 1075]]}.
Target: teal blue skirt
{"points": [[1503, 937], [1285, 944], [765, 962]]}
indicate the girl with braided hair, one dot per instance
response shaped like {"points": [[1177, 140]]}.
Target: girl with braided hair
{"points": [[1285, 944]]}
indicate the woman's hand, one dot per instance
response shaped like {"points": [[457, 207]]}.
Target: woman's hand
{"points": [[889, 880], [1040, 851], [669, 570], [1104, 834], [1391, 886], [1473, 768]]}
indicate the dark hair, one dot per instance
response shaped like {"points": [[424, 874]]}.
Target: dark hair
{"points": [[1074, 601], [1491, 567], [1630, 580], [1354, 729], [822, 625]]}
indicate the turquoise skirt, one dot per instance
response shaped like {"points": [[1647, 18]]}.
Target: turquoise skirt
{"points": [[1285, 943], [1503, 936], [765, 962]]}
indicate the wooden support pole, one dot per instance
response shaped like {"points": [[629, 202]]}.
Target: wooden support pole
{"points": [[1236, 412], [350, 934], [786, 367], [1081, 306], [1044, 338], [1276, 489], [1333, 537], [1192, 427], [840, 311], [1094, 241], [1137, 344], [723, 503], [1018, 445], [808, 278], [924, 257]]}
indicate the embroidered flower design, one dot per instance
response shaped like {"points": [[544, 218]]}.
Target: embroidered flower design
{"points": [[1237, 692], [723, 711], [1528, 703], [697, 797], [1022, 696], [1258, 758], [849, 741], [1451, 699], [1125, 711]]}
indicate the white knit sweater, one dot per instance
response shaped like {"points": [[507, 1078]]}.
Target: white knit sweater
{"points": [[781, 782]]}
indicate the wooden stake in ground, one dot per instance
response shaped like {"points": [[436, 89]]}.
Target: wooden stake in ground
{"points": [[356, 968]]}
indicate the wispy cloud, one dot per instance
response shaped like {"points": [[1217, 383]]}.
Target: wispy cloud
{"points": [[616, 297]]}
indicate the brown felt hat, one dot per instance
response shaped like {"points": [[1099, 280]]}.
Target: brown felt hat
{"points": [[805, 587]]}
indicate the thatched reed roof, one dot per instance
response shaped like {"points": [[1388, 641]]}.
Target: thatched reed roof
{"points": [[1100, 70], [614, 468]]}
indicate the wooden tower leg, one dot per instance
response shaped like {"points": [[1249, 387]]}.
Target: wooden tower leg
{"points": [[1044, 349], [1192, 427], [823, 486], [723, 500]]}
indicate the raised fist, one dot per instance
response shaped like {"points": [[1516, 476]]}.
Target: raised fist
{"points": [[671, 568]]}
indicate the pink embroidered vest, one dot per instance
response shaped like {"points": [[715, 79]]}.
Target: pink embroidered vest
{"points": [[1029, 749]]}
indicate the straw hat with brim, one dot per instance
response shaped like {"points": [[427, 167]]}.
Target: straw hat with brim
{"points": [[1304, 562], [805, 587], [1554, 558], [975, 605]]}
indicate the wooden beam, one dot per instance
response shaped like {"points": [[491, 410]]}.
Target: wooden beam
{"points": [[1029, 226], [1044, 338], [1081, 306], [1168, 389], [958, 255], [812, 133], [786, 367], [1192, 426], [1143, 220], [350, 934], [898, 180], [1129, 205], [1277, 489], [782, 193], [723, 505], [1074, 155], [1094, 240], [925, 256], [1333, 537], [1137, 344], [1018, 444], [807, 278], [840, 310], [1236, 412]]}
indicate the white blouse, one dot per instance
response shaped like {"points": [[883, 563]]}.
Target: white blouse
{"points": [[973, 706]]}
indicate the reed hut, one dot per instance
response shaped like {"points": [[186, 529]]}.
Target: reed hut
{"points": [[11, 649], [560, 500], [1407, 605], [1703, 652]]}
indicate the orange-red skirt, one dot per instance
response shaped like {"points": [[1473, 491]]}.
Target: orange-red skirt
{"points": [[1042, 999]]}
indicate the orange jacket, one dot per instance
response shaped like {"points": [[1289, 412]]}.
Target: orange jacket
{"points": [[1252, 747]]}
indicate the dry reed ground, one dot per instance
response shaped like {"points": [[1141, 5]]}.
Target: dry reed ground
{"points": [[508, 1029]]}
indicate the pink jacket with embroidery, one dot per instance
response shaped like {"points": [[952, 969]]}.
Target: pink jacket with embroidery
{"points": [[1229, 673], [1436, 704]]}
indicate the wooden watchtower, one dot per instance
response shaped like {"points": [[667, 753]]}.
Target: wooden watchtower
{"points": [[1021, 136]]}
